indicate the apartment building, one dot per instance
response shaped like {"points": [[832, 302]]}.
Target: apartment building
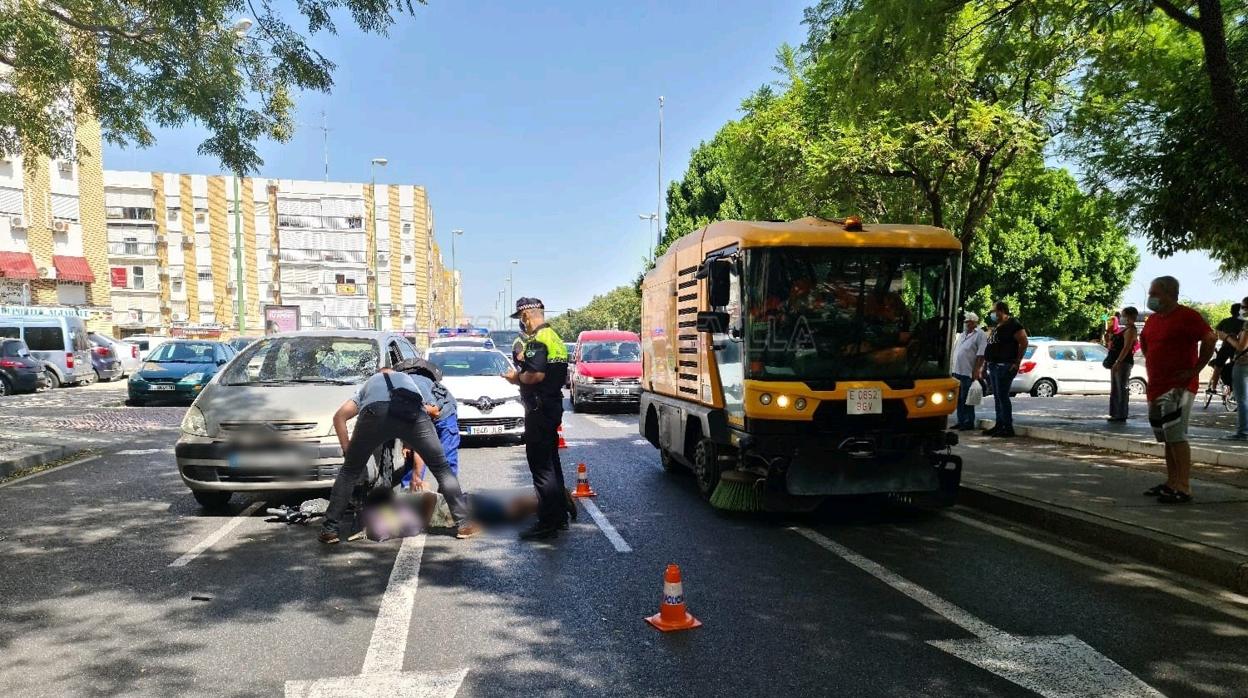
{"points": [[328, 250], [53, 258]]}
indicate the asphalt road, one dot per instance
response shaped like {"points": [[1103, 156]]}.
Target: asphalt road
{"points": [[846, 603]]}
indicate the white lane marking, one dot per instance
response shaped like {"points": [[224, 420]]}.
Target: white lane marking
{"points": [[216, 535], [144, 451], [382, 675], [1051, 666], [389, 642], [608, 530], [608, 423], [41, 473], [1213, 598]]}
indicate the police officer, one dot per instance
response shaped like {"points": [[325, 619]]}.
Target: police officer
{"points": [[543, 370]]}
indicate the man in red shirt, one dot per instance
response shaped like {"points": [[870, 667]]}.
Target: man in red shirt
{"points": [[1177, 342]]}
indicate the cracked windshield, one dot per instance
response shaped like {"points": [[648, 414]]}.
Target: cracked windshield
{"points": [[438, 349]]}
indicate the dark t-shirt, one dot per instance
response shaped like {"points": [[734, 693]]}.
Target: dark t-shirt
{"points": [[1002, 346], [1232, 326]]}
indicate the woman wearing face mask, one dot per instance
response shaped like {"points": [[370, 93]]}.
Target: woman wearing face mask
{"points": [[1239, 374]]}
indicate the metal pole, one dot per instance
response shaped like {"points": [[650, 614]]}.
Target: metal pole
{"points": [[325, 141], [238, 260], [455, 277], [658, 212], [372, 168]]}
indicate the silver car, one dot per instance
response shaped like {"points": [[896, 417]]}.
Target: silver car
{"points": [[1050, 367], [265, 421]]}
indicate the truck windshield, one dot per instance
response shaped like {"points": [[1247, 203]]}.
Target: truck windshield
{"points": [[845, 314]]}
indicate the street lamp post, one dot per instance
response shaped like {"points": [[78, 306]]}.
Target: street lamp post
{"points": [[372, 170], [658, 212], [652, 217], [511, 288], [455, 301], [240, 31]]}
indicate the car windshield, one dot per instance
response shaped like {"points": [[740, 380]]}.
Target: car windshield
{"points": [[184, 353], [469, 363], [304, 359], [835, 314], [625, 352], [241, 342]]}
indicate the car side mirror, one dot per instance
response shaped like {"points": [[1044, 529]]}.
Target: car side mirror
{"points": [[712, 321], [222, 362]]}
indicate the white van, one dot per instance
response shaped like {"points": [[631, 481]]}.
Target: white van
{"points": [[60, 341]]}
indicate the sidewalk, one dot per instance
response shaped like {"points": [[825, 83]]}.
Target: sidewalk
{"points": [[1083, 496], [19, 455], [1135, 436]]}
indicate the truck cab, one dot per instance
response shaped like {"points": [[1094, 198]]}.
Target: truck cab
{"points": [[809, 358]]}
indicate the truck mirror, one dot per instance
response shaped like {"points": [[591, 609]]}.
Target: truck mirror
{"points": [[712, 321], [719, 283]]}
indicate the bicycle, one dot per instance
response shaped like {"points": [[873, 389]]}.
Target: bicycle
{"points": [[1221, 389]]}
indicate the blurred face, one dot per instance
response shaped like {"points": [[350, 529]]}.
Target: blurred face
{"points": [[1159, 298], [971, 325]]}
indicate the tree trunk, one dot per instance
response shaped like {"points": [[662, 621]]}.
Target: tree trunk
{"points": [[1227, 107]]}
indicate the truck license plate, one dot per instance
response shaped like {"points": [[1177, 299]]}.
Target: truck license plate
{"points": [[864, 401], [485, 430]]}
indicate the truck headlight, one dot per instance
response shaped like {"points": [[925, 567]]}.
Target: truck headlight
{"points": [[194, 423]]}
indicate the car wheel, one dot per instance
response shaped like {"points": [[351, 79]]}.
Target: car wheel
{"points": [[1044, 388], [212, 500], [98, 377], [576, 406], [1137, 386], [4, 386], [54, 381], [706, 467]]}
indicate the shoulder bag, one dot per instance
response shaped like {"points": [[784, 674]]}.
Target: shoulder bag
{"points": [[405, 404]]}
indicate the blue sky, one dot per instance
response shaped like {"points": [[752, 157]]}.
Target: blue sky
{"points": [[534, 127]]}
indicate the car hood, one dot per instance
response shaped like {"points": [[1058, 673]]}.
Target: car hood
{"points": [[594, 370], [473, 387], [175, 371], [273, 403]]}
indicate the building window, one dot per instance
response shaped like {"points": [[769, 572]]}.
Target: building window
{"points": [[201, 215], [131, 246], [177, 285], [205, 276], [66, 168], [134, 213], [407, 228], [172, 215], [136, 277]]}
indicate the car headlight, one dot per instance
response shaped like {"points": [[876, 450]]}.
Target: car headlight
{"points": [[192, 377], [584, 379], [194, 423]]}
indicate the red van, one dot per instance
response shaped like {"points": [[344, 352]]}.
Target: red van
{"points": [[607, 369]]}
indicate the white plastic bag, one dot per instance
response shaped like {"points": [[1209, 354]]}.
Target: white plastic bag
{"points": [[974, 394]]}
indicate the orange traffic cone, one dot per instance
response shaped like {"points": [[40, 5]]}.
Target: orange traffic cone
{"points": [[582, 483], [672, 614], [562, 443]]}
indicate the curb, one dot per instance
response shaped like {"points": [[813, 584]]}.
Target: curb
{"points": [[47, 455], [1161, 549], [1124, 444]]}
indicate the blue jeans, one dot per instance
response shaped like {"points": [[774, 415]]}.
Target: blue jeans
{"points": [[448, 435], [1002, 377], [1239, 384], [966, 413]]}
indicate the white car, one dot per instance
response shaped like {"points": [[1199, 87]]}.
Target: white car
{"points": [[1050, 367], [487, 404], [146, 343], [462, 342]]}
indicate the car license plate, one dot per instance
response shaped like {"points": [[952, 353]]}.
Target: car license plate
{"points": [[486, 430], [615, 391], [160, 386], [266, 459], [864, 401]]}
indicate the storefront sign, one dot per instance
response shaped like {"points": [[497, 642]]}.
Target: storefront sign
{"points": [[281, 318]]}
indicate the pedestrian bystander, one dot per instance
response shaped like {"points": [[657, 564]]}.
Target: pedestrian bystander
{"points": [[1239, 371], [1006, 345], [968, 366], [1121, 360], [1177, 342], [1227, 327]]}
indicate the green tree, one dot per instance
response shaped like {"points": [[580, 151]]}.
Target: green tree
{"points": [[619, 308], [1057, 255], [129, 63], [703, 195]]}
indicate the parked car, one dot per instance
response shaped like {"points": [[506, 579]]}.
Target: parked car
{"points": [[60, 341], [20, 371], [1050, 367], [146, 343], [241, 343], [608, 369], [126, 352], [265, 422], [104, 361], [487, 404], [177, 371]]}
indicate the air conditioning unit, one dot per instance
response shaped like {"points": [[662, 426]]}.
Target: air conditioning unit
{"points": [[274, 254], [17, 222], [47, 273], [315, 291], [179, 317], [60, 226]]}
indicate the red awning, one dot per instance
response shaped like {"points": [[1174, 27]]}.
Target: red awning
{"points": [[72, 269], [17, 265]]}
